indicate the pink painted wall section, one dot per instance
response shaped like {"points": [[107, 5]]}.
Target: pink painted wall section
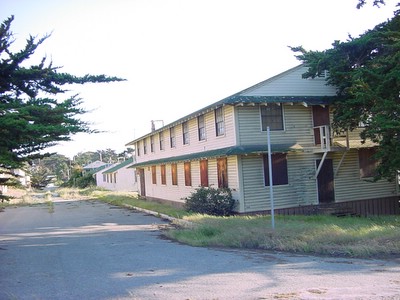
{"points": [[210, 143]]}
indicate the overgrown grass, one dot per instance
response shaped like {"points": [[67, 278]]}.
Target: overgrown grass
{"points": [[21, 197], [132, 199], [327, 235]]}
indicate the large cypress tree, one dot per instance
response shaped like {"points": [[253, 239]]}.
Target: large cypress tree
{"points": [[366, 72], [32, 118]]}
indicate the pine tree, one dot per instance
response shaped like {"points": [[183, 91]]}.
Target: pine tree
{"points": [[366, 72], [31, 116]]}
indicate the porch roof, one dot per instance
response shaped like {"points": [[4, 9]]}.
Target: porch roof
{"points": [[356, 144], [233, 150]]}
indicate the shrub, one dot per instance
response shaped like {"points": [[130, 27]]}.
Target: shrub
{"points": [[211, 201]]}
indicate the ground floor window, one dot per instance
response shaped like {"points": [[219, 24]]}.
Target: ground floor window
{"points": [[153, 174], [188, 174], [174, 174], [279, 169], [222, 170], [163, 175], [204, 172], [367, 162]]}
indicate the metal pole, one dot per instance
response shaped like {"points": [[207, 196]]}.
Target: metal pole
{"points": [[271, 188]]}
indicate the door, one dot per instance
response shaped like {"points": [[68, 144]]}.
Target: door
{"points": [[142, 183], [320, 117], [325, 182]]}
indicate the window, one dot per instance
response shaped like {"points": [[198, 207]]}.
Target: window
{"points": [[204, 172], [185, 131], [271, 116], [144, 146], [222, 171], [152, 143], [279, 169], [174, 174], [172, 137], [138, 148], [163, 175], [322, 75], [104, 177], [201, 128], [367, 162], [154, 174], [219, 122], [188, 174], [161, 138], [115, 177]]}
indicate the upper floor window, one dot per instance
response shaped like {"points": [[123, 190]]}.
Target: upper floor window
{"points": [[185, 132], [201, 128], [279, 169], [152, 143], [172, 137], [145, 146], [138, 148], [271, 116], [219, 121], [367, 162], [161, 138]]}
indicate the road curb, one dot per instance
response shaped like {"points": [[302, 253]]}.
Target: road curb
{"points": [[176, 221]]}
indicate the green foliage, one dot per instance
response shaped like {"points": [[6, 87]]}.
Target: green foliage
{"points": [[84, 181], [40, 177], [327, 235], [80, 179], [377, 3], [366, 72], [31, 117], [211, 201], [84, 158]]}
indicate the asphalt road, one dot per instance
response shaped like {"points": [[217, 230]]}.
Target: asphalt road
{"points": [[89, 250]]}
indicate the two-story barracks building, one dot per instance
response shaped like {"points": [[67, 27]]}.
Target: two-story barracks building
{"points": [[225, 145]]}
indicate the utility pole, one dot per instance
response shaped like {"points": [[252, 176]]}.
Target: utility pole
{"points": [[271, 189]]}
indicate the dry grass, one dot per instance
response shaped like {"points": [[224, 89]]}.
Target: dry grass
{"points": [[352, 237], [326, 235]]}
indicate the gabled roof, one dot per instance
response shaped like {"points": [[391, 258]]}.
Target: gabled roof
{"points": [[243, 97], [234, 150], [119, 166], [94, 171]]}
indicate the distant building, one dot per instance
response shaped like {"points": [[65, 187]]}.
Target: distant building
{"points": [[117, 177]]}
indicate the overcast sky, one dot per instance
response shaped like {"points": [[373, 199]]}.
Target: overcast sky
{"points": [[177, 55]]}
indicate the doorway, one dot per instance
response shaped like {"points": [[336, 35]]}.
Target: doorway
{"points": [[325, 182], [142, 183], [320, 118]]}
